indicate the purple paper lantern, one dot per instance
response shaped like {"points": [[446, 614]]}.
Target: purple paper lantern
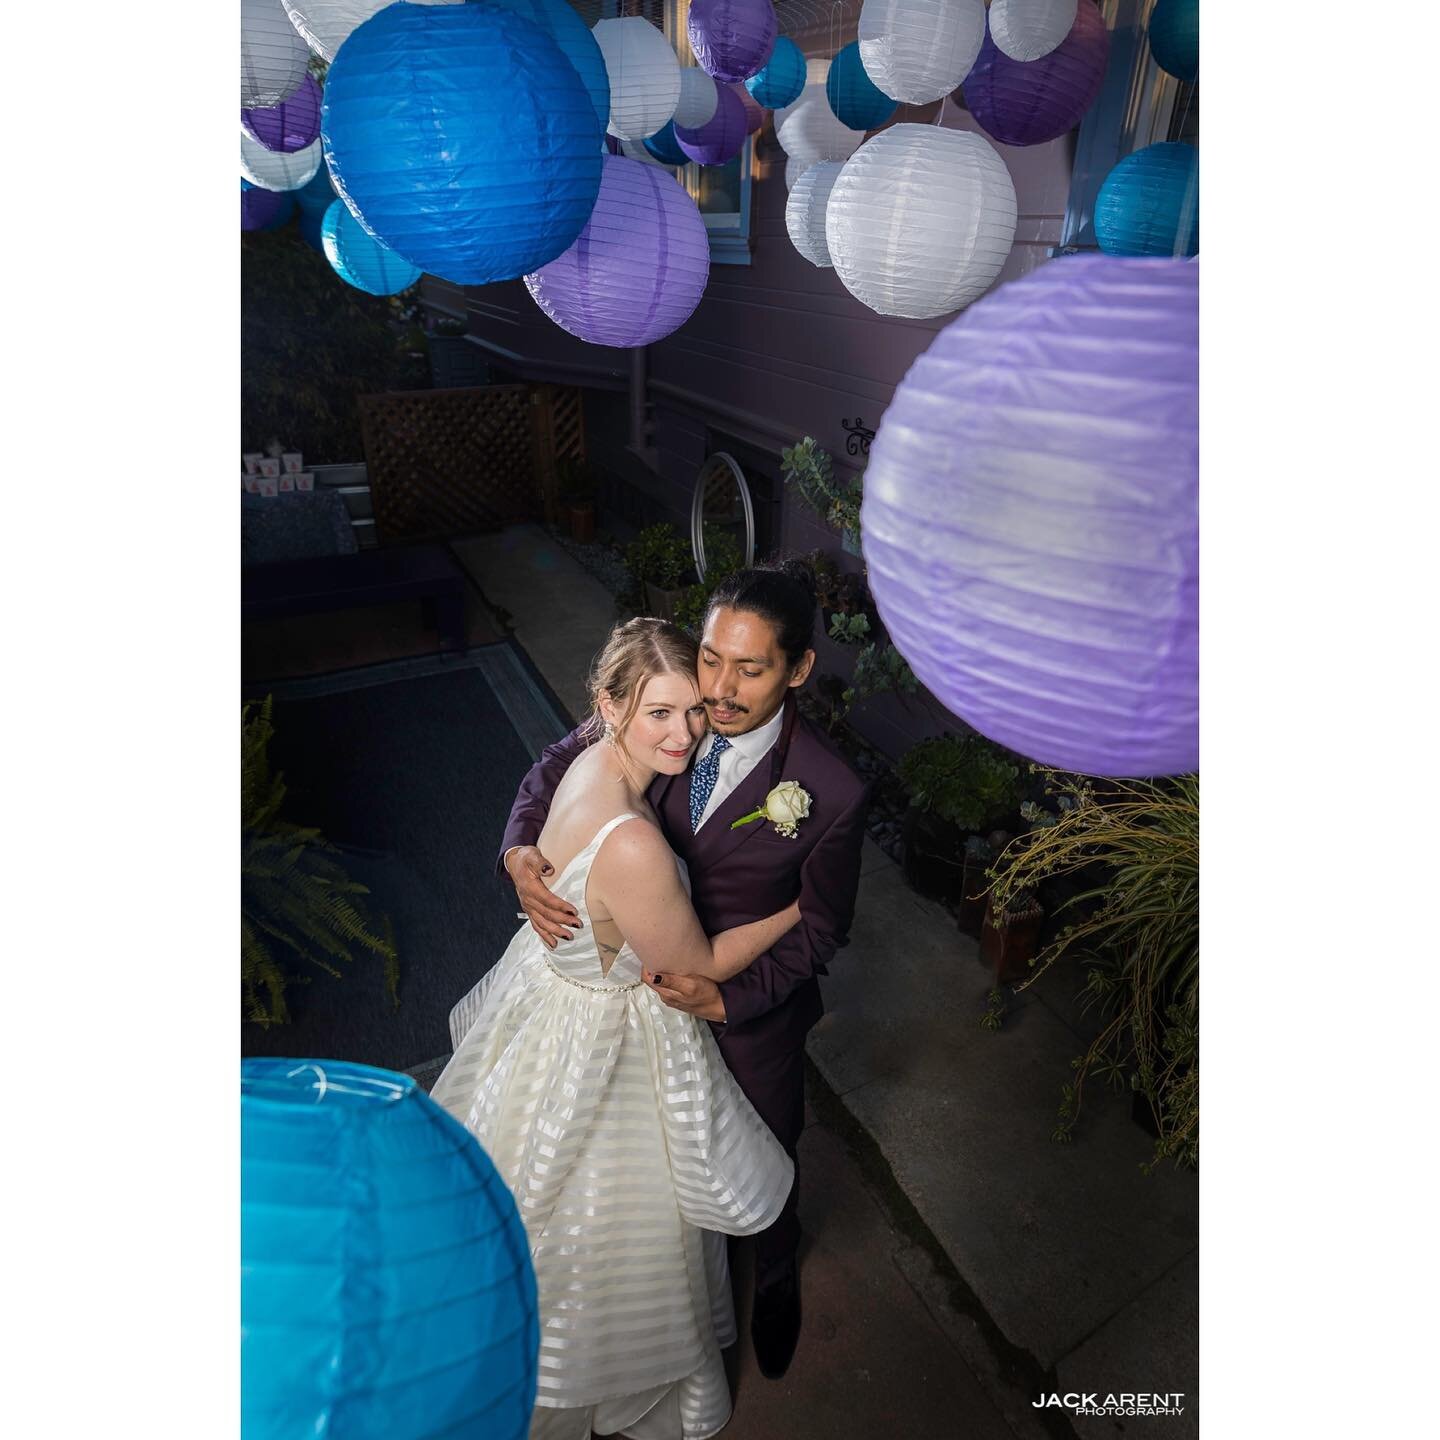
{"points": [[720, 138], [1026, 102], [258, 208], [289, 126], [639, 268], [1030, 520], [732, 39]]}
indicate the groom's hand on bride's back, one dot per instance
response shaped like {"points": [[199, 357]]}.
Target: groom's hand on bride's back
{"points": [[552, 918]]}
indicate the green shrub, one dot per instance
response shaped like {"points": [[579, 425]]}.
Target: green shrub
{"points": [[961, 778], [661, 556]]}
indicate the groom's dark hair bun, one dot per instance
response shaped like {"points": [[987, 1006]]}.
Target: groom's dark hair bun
{"points": [[783, 592]]}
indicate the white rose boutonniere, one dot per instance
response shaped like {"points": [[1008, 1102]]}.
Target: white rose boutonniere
{"points": [[785, 806]]}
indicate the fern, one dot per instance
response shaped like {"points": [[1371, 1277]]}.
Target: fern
{"points": [[297, 902]]}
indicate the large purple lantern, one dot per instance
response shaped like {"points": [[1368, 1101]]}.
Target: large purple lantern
{"points": [[732, 39], [289, 126], [1030, 519], [259, 209], [719, 139], [639, 268], [1026, 102]]}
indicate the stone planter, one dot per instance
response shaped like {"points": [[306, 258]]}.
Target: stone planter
{"points": [[973, 898], [662, 602], [934, 854]]}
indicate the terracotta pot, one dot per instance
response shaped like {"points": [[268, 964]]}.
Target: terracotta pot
{"points": [[1011, 946], [582, 523]]}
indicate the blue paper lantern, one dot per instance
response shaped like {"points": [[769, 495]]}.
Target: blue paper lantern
{"points": [[1175, 37], [1150, 203], [386, 1288], [461, 137], [573, 36], [665, 147], [359, 259], [315, 195], [312, 226], [854, 97], [779, 84]]}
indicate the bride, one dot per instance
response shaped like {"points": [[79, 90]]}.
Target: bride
{"points": [[625, 1141]]}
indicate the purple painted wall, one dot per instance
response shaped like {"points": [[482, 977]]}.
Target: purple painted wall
{"points": [[776, 350]]}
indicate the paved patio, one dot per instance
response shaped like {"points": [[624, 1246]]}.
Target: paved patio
{"points": [[1040, 1267]]}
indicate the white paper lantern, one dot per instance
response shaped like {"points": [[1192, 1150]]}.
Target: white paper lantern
{"points": [[809, 130], [917, 51], [805, 211], [273, 57], [1030, 29], [794, 169], [921, 220], [325, 25], [275, 170], [635, 150], [644, 76], [697, 98]]}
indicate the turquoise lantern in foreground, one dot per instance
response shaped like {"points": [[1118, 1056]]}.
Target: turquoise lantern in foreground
{"points": [[359, 259], [779, 84], [462, 138], [386, 1289], [1150, 203]]}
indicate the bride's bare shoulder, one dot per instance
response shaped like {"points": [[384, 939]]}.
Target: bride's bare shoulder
{"points": [[634, 851]]}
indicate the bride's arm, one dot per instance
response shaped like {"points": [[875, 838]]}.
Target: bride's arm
{"points": [[635, 877]]}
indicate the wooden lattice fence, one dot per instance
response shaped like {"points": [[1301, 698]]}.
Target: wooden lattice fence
{"points": [[451, 462]]}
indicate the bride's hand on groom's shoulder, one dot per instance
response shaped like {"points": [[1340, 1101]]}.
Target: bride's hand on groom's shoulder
{"points": [[552, 918], [695, 994]]}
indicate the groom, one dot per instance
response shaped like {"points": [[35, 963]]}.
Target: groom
{"points": [[757, 648]]}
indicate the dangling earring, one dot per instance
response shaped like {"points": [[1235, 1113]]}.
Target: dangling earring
{"points": [[609, 733]]}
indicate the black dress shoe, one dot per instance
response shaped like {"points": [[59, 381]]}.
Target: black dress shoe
{"points": [[775, 1324]]}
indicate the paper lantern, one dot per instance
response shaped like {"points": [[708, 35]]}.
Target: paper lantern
{"points": [[664, 147], [461, 137], [754, 114], [854, 97], [779, 82], [805, 211], [289, 126], [386, 1287], [325, 25], [1150, 203], [1029, 102], [721, 139], [732, 39], [644, 76], [258, 207], [273, 58], [312, 228], [795, 168], [696, 106], [809, 129], [920, 50], [920, 220], [274, 169], [1174, 32], [577, 44], [1030, 518], [284, 215], [315, 196], [359, 259], [1030, 29], [639, 268], [635, 150]]}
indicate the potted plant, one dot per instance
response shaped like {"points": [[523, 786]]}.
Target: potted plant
{"points": [[577, 498], [660, 560], [958, 785], [974, 884], [1010, 934]]}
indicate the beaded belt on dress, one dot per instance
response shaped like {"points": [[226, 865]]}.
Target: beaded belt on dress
{"points": [[581, 984]]}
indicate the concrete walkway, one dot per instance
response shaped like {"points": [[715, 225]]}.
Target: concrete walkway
{"points": [[943, 1219]]}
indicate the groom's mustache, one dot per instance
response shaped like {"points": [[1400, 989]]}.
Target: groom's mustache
{"points": [[724, 705]]}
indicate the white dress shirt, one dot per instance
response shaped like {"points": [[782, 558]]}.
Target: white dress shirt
{"points": [[745, 753]]}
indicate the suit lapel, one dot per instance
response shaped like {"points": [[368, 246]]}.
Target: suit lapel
{"points": [[716, 839]]}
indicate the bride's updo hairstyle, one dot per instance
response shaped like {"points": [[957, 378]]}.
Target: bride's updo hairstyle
{"points": [[783, 593], [635, 653]]}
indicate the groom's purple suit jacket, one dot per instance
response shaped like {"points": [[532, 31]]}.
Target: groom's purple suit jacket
{"points": [[741, 875]]}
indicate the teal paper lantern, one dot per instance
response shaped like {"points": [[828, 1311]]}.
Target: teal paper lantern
{"points": [[1150, 203], [461, 138], [779, 84], [386, 1289], [854, 97], [359, 259], [576, 43], [665, 148], [1175, 37]]}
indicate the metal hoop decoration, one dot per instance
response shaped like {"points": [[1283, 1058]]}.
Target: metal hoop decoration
{"points": [[697, 511]]}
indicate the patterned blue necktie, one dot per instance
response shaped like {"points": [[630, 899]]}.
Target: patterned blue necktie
{"points": [[702, 781]]}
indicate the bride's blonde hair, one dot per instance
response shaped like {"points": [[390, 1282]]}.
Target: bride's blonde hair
{"points": [[634, 654]]}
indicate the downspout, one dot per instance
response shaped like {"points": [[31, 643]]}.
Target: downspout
{"points": [[639, 438]]}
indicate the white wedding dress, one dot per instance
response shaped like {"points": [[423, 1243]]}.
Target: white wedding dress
{"points": [[631, 1152]]}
